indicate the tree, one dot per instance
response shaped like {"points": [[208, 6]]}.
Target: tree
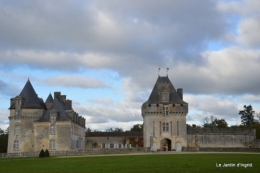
{"points": [[214, 122], [118, 129], [247, 115], [137, 128], [207, 121], [42, 154], [46, 153], [3, 141], [88, 130], [1, 131], [123, 141], [220, 123]]}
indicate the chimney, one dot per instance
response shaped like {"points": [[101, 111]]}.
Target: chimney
{"points": [[69, 103], [57, 95], [63, 98], [180, 93]]}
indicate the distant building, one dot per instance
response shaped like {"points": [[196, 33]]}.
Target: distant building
{"points": [[35, 125], [164, 116], [114, 139]]}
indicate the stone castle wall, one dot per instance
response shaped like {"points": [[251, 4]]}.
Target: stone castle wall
{"points": [[220, 138]]}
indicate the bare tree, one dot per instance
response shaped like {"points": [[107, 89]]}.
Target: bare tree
{"points": [[123, 141]]}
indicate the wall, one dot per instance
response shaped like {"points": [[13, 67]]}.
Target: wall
{"points": [[80, 152], [220, 138]]}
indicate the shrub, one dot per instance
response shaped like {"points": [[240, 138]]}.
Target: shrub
{"points": [[47, 154], [42, 154]]}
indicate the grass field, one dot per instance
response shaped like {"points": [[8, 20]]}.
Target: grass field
{"points": [[132, 163]]}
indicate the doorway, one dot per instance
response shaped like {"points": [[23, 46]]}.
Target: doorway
{"points": [[166, 144], [178, 146]]}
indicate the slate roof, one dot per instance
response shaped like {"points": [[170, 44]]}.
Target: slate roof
{"points": [[116, 134], [163, 83], [49, 99], [30, 98], [59, 107]]}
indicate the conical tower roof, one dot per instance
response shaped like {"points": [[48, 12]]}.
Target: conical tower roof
{"points": [[30, 98], [49, 99], [163, 84]]}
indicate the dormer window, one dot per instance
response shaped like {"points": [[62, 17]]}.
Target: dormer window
{"points": [[18, 101], [165, 96]]}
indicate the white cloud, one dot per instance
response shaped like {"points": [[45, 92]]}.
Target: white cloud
{"points": [[105, 101], [75, 81]]}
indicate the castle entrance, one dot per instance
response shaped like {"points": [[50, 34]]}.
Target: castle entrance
{"points": [[166, 144]]}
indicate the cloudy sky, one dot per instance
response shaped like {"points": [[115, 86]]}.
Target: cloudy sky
{"points": [[104, 55]]}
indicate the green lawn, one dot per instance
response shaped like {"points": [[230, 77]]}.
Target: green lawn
{"points": [[132, 163]]}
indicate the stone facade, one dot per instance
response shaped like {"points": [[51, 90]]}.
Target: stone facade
{"points": [[35, 125], [164, 117]]}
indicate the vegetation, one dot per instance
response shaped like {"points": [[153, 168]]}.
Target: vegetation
{"points": [[247, 116], [3, 141], [42, 154], [137, 128], [46, 153], [123, 141], [214, 122], [118, 129], [133, 163]]}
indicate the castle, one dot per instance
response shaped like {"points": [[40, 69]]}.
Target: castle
{"points": [[164, 116], [54, 125], [35, 125]]}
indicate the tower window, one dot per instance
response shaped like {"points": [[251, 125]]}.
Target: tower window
{"points": [[165, 127], [16, 130], [165, 110], [52, 129]]}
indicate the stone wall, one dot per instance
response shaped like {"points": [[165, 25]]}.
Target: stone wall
{"points": [[220, 138], [220, 149], [81, 152]]}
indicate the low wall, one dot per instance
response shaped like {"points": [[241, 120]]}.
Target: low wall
{"points": [[191, 149], [80, 152]]}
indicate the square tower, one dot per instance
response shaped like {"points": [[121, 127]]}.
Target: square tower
{"points": [[164, 116]]}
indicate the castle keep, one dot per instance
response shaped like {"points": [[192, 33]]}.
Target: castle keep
{"points": [[35, 125], [164, 117]]}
